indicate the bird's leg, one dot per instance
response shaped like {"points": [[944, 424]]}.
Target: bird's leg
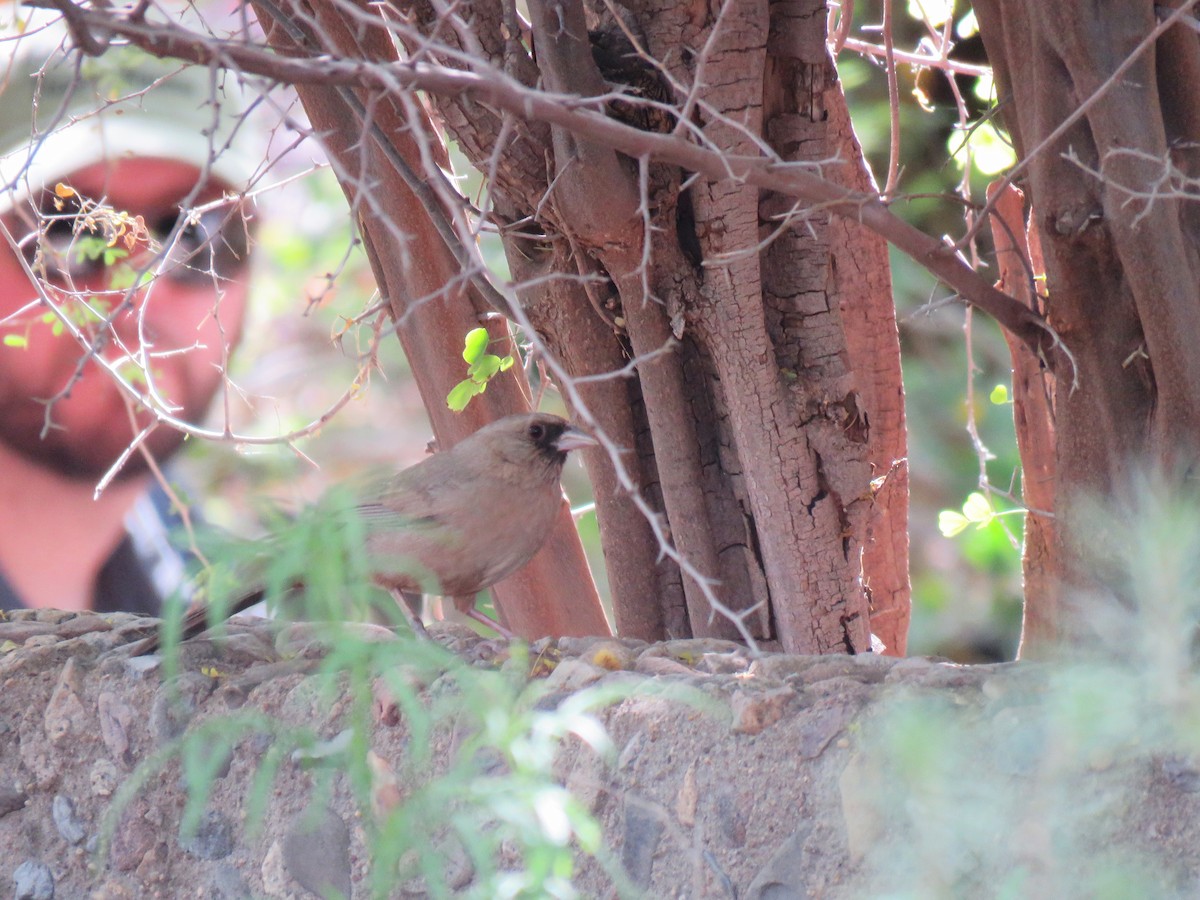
{"points": [[409, 603], [436, 608], [465, 604]]}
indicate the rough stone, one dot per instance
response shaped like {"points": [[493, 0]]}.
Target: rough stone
{"points": [[732, 815], [112, 889], [613, 655], [104, 778], [316, 853], [784, 875], [1182, 773], [731, 663], [176, 703], [661, 665], [642, 829], [11, 799], [688, 798], [66, 820], [33, 881], [134, 836], [213, 838], [755, 710], [64, 713], [88, 623], [21, 632], [42, 640], [228, 884], [868, 777], [273, 874], [573, 675], [116, 717], [821, 725]]}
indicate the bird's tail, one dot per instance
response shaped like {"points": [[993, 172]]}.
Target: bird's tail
{"points": [[196, 620]]}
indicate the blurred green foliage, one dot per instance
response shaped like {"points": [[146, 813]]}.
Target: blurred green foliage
{"points": [[1066, 780], [467, 774]]}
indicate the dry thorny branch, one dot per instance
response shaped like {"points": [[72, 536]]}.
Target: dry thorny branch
{"points": [[585, 117]]}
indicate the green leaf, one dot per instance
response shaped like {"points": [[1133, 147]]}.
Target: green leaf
{"points": [[124, 277], [89, 248], [16, 340], [476, 343], [485, 368], [132, 372], [460, 395], [113, 254], [951, 522], [506, 363], [999, 395], [978, 510]]}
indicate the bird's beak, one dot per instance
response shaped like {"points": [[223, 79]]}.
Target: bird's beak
{"points": [[574, 438]]}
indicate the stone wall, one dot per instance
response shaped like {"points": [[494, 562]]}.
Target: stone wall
{"points": [[729, 777]]}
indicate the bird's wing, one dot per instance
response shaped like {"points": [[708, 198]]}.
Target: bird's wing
{"points": [[379, 517]]}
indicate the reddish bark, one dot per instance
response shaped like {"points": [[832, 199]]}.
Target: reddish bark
{"points": [[1122, 255], [759, 437], [1019, 259], [862, 284]]}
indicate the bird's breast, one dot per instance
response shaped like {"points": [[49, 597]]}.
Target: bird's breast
{"points": [[469, 551]]}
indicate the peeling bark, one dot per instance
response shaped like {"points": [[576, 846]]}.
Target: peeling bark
{"points": [[586, 347]]}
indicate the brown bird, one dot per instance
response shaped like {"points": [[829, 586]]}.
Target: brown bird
{"points": [[460, 520]]}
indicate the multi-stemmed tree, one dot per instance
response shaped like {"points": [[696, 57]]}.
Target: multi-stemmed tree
{"points": [[696, 255]]}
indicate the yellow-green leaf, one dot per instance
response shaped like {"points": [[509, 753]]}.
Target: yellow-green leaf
{"points": [[978, 510], [476, 343], [460, 395], [999, 395], [951, 522], [487, 366]]}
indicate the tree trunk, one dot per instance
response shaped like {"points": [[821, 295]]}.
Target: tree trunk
{"points": [[1122, 251], [698, 317], [760, 451], [1019, 259], [860, 275]]}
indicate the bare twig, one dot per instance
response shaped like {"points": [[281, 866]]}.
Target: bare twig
{"points": [[889, 53], [839, 34], [493, 86], [922, 60]]}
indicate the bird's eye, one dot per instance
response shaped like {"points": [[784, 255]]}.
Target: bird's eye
{"points": [[537, 431]]}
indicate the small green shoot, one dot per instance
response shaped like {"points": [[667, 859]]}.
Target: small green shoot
{"points": [[977, 511], [94, 246], [481, 368]]}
